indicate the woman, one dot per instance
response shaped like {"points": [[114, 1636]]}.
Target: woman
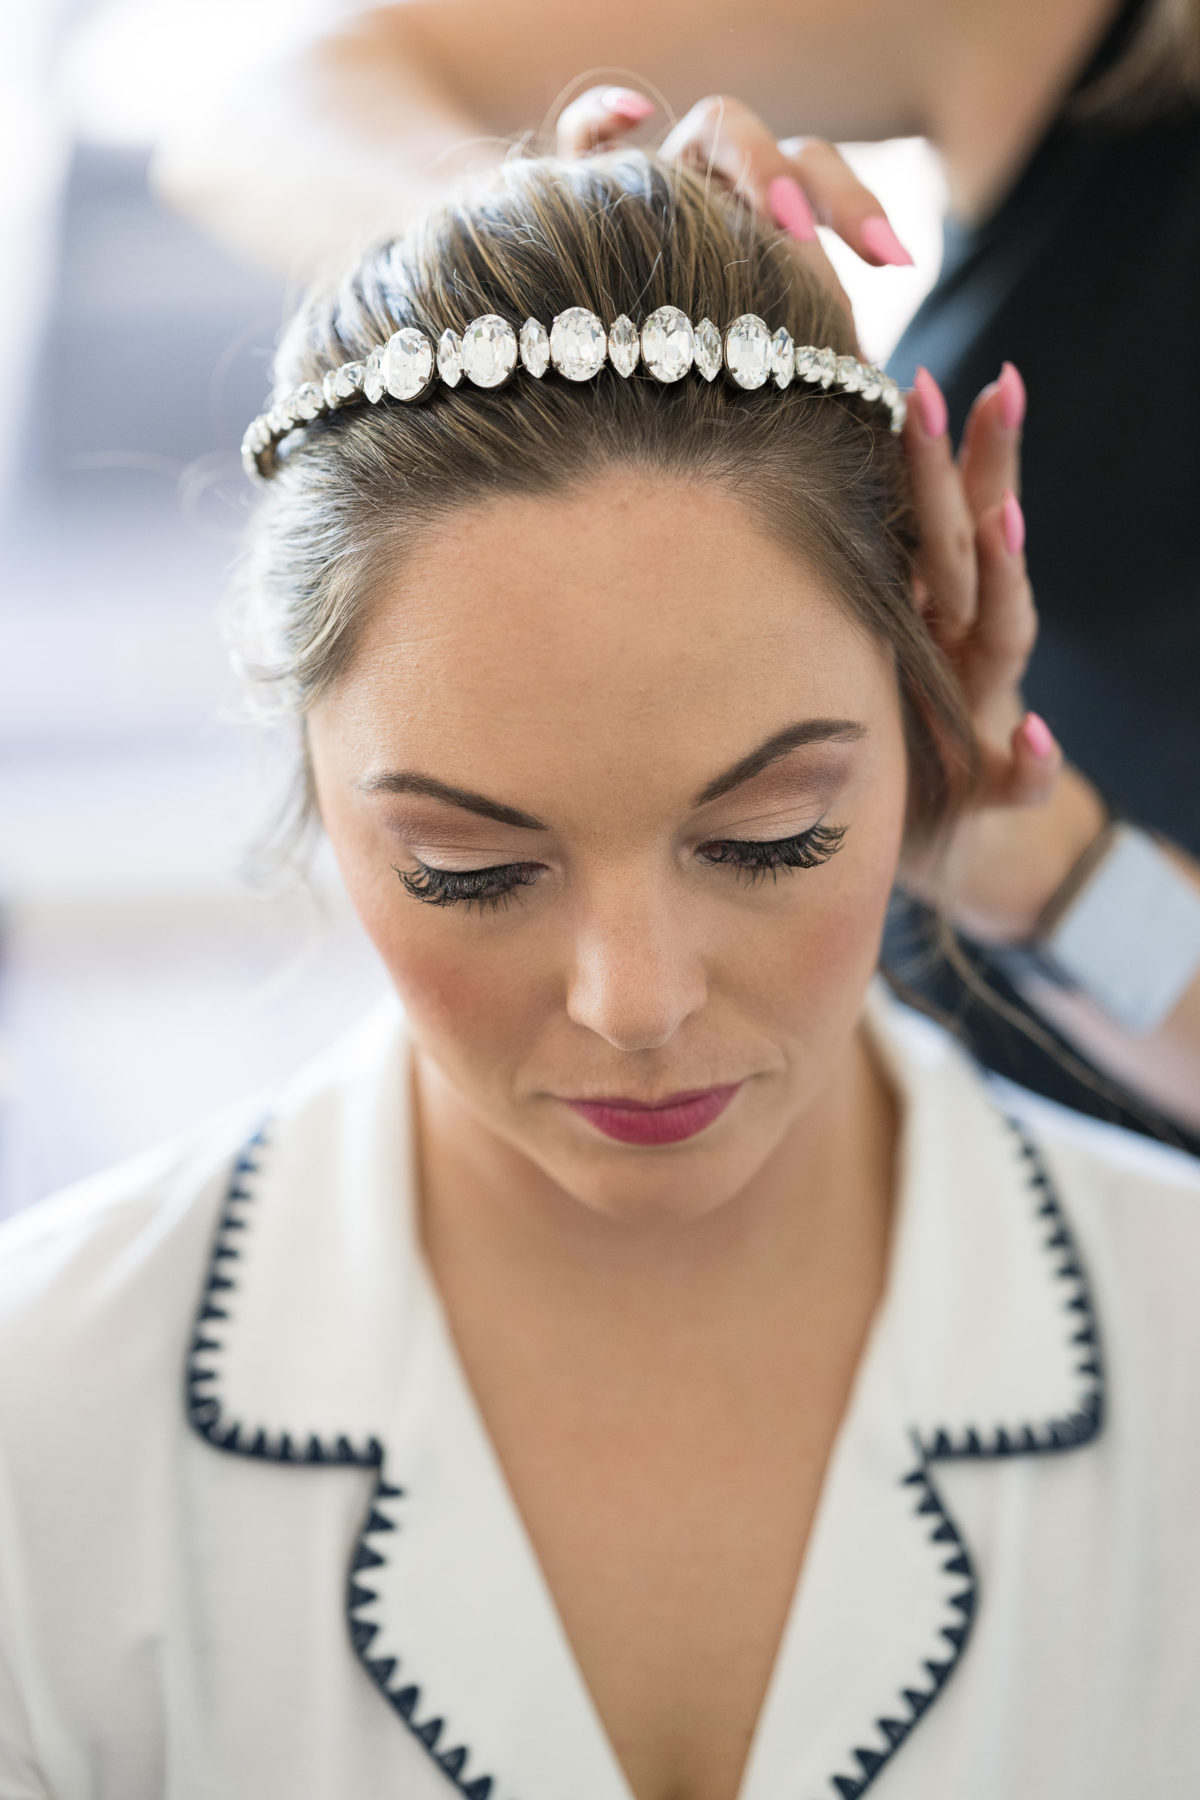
{"points": [[658, 1366], [1069, 135]]}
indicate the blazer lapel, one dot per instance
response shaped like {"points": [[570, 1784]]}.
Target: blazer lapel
{"points": [[986, 1348]]}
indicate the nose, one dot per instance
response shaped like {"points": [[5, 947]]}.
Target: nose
{"points": [[636, 976]]}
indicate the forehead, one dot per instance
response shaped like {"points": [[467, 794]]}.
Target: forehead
{"points": [[637, 613]]}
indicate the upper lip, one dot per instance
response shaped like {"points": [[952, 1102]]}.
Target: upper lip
{"points": [[622, 1100]]}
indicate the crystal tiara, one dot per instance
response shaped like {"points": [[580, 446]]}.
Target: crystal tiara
{"points": [[577, 346]]}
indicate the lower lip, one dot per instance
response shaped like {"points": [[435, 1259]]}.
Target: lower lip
{"points": [[680, 1118]]}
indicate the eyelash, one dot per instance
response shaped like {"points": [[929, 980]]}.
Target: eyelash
{"points": [[751, 861], [755, 860]]}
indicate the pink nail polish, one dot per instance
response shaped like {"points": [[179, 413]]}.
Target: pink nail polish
{"points": [[627, 104], [790, 208], [930, 403], [1012, 397], [1038, 736], [879, 238], [1013, 522]]}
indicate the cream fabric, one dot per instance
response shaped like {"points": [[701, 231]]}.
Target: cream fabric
{"points": [[1001, 1595]]}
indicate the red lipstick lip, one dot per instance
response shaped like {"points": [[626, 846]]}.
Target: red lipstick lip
{"points": [[666, 1121]]}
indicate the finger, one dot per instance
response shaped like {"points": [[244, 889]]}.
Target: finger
{"points": [[993, 660], [841, 201], [990, 453], [1037, 762], [946, 558], [598, 118], [722, 137]]}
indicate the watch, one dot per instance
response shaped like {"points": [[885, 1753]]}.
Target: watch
{"points": [[1123, 929]]}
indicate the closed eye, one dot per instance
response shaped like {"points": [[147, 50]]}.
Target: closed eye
{"points": [[756, 858], [490, 888]]}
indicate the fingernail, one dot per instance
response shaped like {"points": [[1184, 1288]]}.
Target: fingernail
{"points": [[1013, 520], [627, 103], [881, 241], [790, 208], [1012, 397], [930, 404], [1038, 736]]}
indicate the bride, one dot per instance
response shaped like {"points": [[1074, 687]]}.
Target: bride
{"points": [[654, 1362]]}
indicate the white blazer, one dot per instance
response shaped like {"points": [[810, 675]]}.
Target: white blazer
{"points": [[255, 1544]]}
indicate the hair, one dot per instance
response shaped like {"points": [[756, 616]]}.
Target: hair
{"points": [[621, 232], [1157, 70]]}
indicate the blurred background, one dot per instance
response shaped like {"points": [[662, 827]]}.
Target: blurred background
{"points": [[142, 982]]}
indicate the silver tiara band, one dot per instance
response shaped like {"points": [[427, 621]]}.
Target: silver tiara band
{"points": [[576, 346]]}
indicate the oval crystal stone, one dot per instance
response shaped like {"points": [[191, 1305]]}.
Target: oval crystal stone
{"points": [[782, 355], [489, 351], [407, 363], [706, 349], [668, 343], [449, 357], [825, 366], [373, 375], [848, 374], [535, 347], [748, 351], [623, 345], [870, 382], [578, 343], [342, 384], [308, 400], [805, 361]]}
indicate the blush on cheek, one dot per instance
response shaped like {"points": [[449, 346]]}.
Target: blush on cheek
{"points": [[821, 965], [471, 1004]]}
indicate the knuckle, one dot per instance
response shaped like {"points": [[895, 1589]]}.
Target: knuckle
{"points": [[711, 107]]}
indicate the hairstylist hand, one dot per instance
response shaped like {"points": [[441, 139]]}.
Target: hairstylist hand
{"points": [[799, 182], [1033, 818]]}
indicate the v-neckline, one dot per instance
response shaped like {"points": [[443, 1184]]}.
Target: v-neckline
{"points": [[439, 1404]]}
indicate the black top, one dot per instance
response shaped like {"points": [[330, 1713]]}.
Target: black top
{"points": [[1087, 277]]}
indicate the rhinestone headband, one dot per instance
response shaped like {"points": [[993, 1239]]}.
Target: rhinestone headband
{"points": [[577, 346]]}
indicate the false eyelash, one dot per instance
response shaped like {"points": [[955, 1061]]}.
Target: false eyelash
{"points": [[751, 859], [486, 888], [755, 859]]}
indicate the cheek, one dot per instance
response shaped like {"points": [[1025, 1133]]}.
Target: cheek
{"points": [[809, 965], [471, 1000]]}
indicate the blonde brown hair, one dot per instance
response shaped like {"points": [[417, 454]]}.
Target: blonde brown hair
{"points": [[1158, 70], [621, 232]]}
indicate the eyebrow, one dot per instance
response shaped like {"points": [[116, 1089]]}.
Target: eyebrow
{"points": [[398, 781], [792, 737]]}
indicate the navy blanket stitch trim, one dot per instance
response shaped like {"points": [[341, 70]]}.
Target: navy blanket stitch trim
{"points": [[206, 1415], [1035, 1437]]}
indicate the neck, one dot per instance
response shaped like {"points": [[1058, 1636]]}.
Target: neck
{"points": [[995, 75], [813, 1220]]}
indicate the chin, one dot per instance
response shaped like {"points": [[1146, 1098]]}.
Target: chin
{"points": [[669, 1184]]}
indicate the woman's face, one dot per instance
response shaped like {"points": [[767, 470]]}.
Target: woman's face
{"points": [[618, 792]]}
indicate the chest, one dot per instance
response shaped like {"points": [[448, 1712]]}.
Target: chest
{"points": [[669, 1517]]}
